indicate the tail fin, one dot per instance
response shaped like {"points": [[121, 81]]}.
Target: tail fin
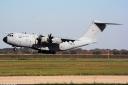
{"points": [[96, 28]]}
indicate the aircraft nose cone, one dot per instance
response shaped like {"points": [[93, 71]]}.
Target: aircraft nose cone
{"points": [[5, 39]]}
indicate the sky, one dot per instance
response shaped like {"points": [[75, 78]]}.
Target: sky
{"points": [[66, 19]]}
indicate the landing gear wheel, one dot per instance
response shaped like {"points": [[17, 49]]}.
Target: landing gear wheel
{"points": [[52, 52], [14, 49], [39, 51], [46, 52]]}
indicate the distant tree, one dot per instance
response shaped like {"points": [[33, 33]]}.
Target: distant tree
{"points": [[123, 51], [115, 51], [96, 51]]}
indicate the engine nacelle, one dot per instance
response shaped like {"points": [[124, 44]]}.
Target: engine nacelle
{"points": [[56, 40], [44, 39]]}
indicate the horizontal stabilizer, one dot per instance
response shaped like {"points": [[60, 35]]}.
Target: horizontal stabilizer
{"points": [[102, 25]]}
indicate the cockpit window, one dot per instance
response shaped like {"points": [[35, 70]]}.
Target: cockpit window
{"points": [[10, 35]]}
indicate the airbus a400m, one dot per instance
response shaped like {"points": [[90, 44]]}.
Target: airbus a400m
{"points": [[51, 44]]}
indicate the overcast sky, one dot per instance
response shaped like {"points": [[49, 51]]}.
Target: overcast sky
{"points": [[66, 18]]}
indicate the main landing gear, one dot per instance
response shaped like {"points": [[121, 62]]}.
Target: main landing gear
{"points": [[46, 52]]}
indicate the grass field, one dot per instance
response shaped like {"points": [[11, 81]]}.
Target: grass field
{"points": [[37, 66], [80, 84]]}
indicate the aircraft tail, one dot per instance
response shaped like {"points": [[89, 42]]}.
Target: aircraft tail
{"points": [[96, 28]]}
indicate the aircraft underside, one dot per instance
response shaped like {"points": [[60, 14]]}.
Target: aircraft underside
{"points": [[47, 48]]}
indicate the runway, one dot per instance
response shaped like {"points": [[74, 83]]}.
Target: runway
{"points": [[64, 79]]}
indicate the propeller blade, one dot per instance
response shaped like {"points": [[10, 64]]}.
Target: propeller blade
{"points": [[50, 37]]}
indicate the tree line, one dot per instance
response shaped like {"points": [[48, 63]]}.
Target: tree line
{"points": [[96, 51]]}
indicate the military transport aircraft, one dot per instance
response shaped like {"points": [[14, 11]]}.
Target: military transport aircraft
{"points": [[50, 44]]}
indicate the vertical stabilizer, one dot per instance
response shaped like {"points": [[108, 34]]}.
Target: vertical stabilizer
{"points": [[96, 28]]}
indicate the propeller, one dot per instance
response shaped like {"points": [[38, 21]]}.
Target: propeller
{"points": [[50, 37]]}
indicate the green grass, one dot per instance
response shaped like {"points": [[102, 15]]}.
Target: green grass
{"points": [[62, 66], [80, 84]]}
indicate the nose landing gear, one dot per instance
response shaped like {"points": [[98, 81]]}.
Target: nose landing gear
{"points": [[14, 48]]}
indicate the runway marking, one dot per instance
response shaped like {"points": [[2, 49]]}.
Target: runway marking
{"points": [[64, 79]]}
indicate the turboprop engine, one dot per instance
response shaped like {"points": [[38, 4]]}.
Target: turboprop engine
{"points": [[48, 39], [44, 39], [56, 40]]}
